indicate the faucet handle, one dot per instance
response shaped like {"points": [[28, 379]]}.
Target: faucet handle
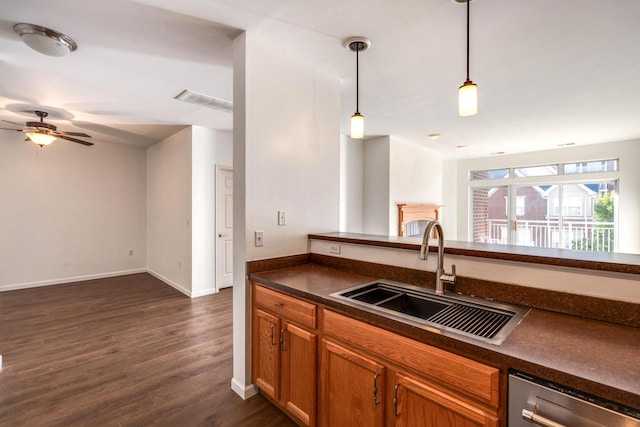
{"points": [[449, 278]]}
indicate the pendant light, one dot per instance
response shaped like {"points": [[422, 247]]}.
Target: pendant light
{"points": [[468, 92], [357, 45]]}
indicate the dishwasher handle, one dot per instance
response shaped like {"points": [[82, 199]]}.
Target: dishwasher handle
{"points": [[531, 416]]}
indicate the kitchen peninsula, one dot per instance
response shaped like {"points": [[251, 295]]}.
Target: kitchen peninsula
{"points": [[566, 337]]}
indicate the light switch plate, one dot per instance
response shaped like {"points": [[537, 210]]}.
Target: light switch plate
{"points": [[259, 238], [282, 218]]}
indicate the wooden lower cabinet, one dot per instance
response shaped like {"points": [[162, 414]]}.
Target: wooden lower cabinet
{"points": [[266, 356], [353, 393], [284, 360], [352, 388], [418, 404], [367, 376], [299, 373]]}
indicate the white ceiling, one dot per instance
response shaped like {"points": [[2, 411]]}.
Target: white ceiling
{"points": [[549, 72]]}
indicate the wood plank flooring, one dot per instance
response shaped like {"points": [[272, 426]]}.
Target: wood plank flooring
{"points": [[122, 351]]}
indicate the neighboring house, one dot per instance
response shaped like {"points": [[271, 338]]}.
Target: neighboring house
{"points": [[542, 220]]}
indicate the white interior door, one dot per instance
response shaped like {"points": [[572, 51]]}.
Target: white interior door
{"points": [[224, 227]]}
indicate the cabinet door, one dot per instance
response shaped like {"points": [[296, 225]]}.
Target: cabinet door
{"points": [[298, 352], [266, 354], [418, 404], [352, 388]]}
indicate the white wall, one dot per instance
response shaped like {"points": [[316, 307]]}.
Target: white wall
{"points": [[292, 150], [629, 190], [395, 171], [208, 148], [181, 232], [287, 148], [376, 166], [415, 177], [69, 212], [351, 185], [241, 381], [169, 207]]}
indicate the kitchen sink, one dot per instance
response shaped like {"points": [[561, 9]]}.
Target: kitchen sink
{"points": [[414, 306], [477, 318]]}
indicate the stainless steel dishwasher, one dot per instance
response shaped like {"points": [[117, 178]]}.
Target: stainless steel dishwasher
{"points": [[534, 401]]}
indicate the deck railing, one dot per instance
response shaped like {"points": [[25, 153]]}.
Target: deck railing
{"points": [[579, 235]]}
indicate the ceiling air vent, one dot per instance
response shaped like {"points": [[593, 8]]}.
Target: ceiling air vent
{"points": [[205, 100]]}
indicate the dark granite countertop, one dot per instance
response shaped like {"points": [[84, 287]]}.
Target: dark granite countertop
{"points": [[596, 357]]}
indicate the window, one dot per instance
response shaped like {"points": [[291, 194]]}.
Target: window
{"points": [[591, 167], [550, 212]]}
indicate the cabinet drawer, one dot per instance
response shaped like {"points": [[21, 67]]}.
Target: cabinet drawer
{"points": [[291, 308], [466, 376]]}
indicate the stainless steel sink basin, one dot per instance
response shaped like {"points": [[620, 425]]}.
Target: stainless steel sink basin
{"points": [[481, 319]]}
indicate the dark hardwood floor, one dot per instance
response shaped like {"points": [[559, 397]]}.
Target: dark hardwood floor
{"points": [[122, 351]]}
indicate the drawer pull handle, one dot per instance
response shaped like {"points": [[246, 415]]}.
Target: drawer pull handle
{"points": [[279, 305], [375, 389], [396, 401], [533, 417]]}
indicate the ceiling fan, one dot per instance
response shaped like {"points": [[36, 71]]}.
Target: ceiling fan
{"points": [[42, 133]]}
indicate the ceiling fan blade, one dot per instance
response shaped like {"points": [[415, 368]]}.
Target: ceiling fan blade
{"points": [[79, 141], [83, 135], [14, 123], [19, 130]]}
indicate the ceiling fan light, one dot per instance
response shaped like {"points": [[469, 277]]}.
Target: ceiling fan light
{"points": [[40, 138], [357, 126], [468, 99], [45, 40]]}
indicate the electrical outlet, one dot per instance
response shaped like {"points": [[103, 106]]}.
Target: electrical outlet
{"points": [[282, 218], [334, 249], [259, 238]]}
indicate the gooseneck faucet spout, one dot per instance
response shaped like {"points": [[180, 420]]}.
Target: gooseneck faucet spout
{"points": [[424, 253]]}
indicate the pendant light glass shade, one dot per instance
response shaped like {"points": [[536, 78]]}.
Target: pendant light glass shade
{"points": [[468, 99], [357, 126], [468, 92], [41, 139]]}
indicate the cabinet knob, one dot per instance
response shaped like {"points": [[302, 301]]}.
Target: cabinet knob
{"points": [[278, 305]]}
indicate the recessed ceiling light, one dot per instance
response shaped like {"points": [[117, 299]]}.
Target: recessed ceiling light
{"points": [[45, 40], [434, 135]]}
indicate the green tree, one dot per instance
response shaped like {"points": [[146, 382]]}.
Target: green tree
{"points": [[603, 208], [602, 235]]}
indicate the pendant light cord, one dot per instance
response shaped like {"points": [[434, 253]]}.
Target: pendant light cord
{"points": [[357, 77], [468, 8]]}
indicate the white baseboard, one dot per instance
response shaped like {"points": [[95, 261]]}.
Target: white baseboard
{"points": [[64, 280], [244, 392], [203, 292], [170, 282]]}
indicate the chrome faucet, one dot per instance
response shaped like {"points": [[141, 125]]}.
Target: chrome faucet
{"points": [[441, 276]]}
